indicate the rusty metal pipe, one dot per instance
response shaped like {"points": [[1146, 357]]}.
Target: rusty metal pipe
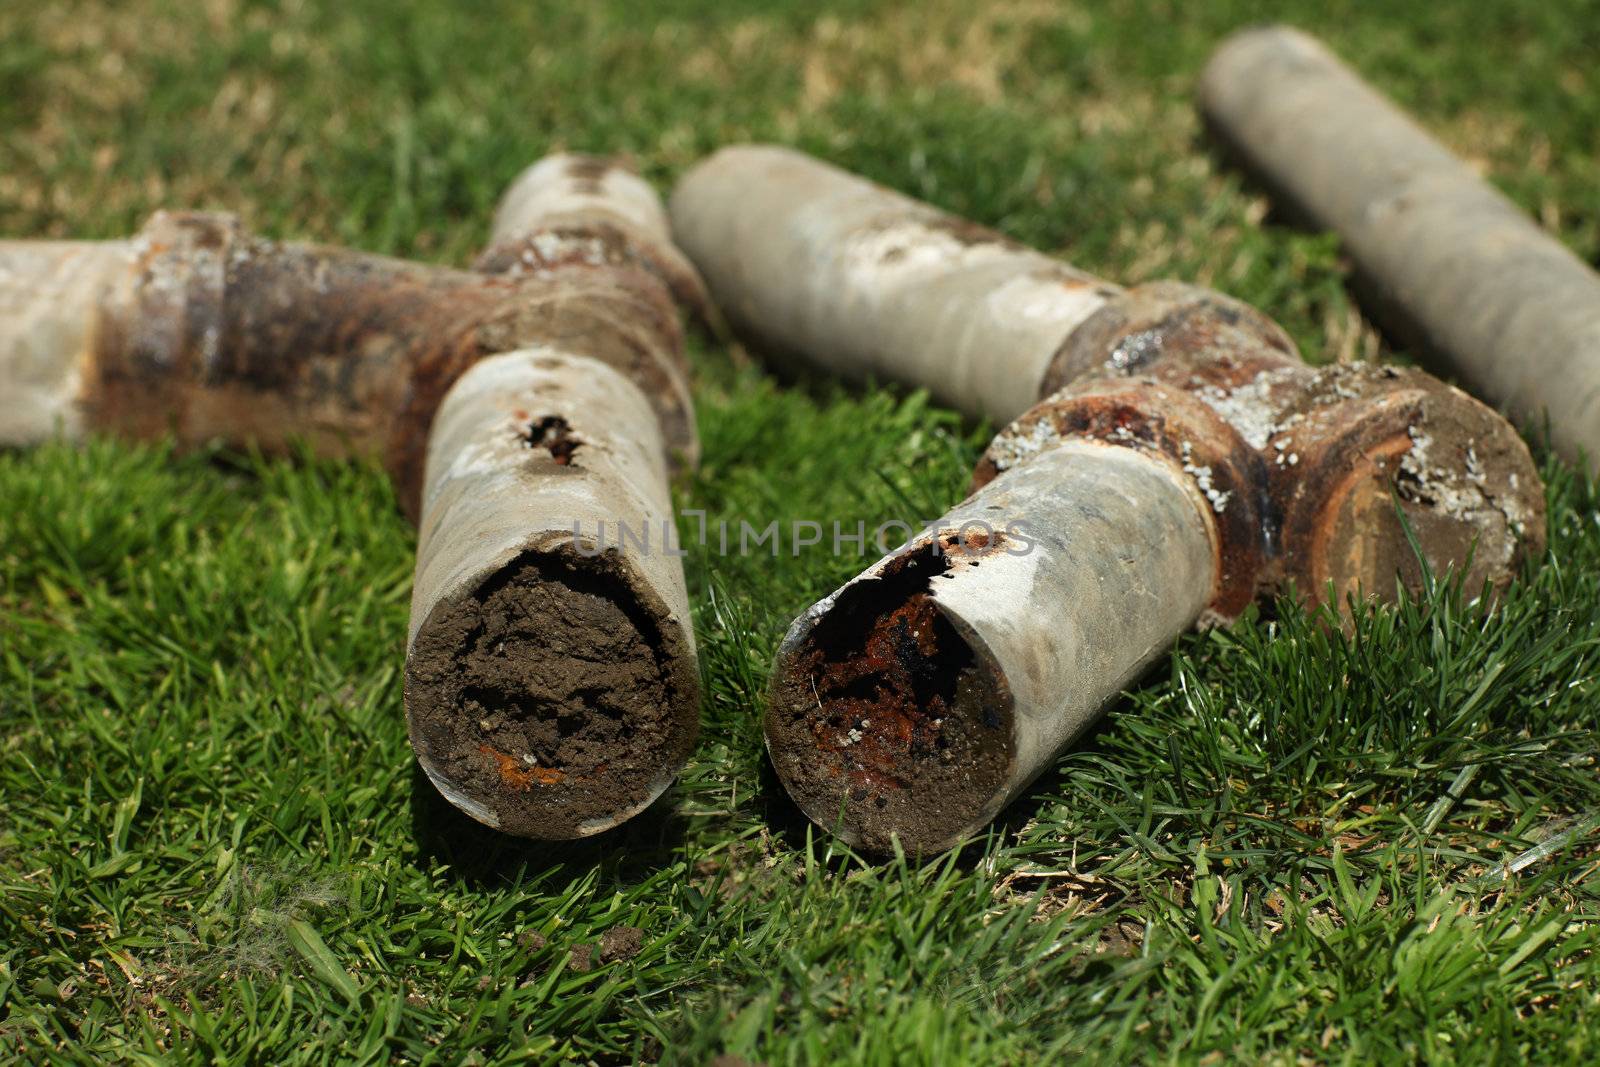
{"points": [[924, 695], [1452, 264], [1295, 471], [865, 282], [551, 683], [1337, 460], [196, 329]]}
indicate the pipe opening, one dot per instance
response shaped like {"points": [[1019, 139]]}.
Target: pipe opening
{"points": [[550, 695], [885, 714]]}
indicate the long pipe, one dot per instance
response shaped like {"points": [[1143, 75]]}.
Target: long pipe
{"points": [[1177, 462], [551, 686], [1451, 263]]}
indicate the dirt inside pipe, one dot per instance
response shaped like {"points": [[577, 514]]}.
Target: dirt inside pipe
{"points": [[549, 696], [884, 721]]}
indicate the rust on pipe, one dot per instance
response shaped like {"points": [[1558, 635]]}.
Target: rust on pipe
{"points": [[1182, 463], [1344, 456], [196, 329], [587, 209], [1448, 261], [551, 683], [552, 689], [918, 699]]}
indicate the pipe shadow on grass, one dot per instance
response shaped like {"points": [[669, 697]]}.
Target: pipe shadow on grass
{"points": [[486, 858], [1406, 343]]}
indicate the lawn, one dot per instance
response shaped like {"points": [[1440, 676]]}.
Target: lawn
{"points": [[1291, 842]]}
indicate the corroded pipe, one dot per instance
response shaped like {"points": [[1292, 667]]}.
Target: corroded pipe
{"points": [[200, 330], [551, 686], [1338, 460], [917, 699], [1452, 264], [576, 208], [196, 329], [1227, 450], [551, 682]]}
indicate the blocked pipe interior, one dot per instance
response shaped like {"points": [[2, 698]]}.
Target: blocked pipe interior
{"points": [[886, 715], [549, 697]]}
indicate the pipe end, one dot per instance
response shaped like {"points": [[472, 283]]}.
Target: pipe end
{"points": [[885, 721], [1375, 449], [554, 700]]}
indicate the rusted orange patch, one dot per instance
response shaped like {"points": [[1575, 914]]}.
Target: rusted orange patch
{"points": [[517, 775]]}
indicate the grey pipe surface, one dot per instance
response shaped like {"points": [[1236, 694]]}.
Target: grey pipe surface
{"points": [[1453, 263], [551, 685], [863, 280], [927, 693], [919, 699], [50, 297]]}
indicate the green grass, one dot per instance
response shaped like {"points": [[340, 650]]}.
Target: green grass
{"points": [[1290, 843]]}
